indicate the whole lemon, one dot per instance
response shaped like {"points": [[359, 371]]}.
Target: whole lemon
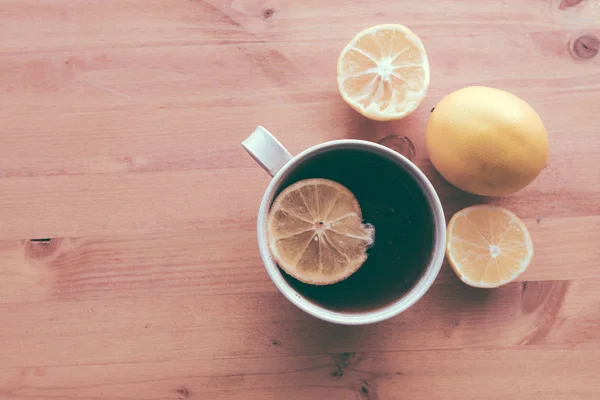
{"points": [[486, 141]]}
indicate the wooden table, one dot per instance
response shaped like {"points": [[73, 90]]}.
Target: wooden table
{"points": [[120, 131]]}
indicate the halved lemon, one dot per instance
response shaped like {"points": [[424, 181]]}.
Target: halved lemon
{"points": [[316, 232], [383, 73], [488, 246]]}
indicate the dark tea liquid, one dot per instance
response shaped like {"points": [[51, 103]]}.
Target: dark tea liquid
{"points": [[392, 202]]}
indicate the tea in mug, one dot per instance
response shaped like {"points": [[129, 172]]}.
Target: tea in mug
{"points": [[392, 201]]}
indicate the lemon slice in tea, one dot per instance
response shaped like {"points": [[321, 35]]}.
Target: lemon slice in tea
{"points": [[316, 233]]}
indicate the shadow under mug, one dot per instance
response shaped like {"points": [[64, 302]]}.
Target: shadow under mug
{"points": [[270, 154]]}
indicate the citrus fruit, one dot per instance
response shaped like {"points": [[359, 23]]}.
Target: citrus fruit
{"points": [[383, 73], [486, 141], [316, 233], [488, 246]]}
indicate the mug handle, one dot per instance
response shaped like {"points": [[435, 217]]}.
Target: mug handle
{"points": [[266, 150]]}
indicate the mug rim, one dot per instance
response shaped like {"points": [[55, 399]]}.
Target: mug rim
{"points": [[382, 313]]}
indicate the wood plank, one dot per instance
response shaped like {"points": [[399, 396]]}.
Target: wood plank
{"points": [[153, 326], [114, 204], [183, 201], [451, 374], [203, 260]]}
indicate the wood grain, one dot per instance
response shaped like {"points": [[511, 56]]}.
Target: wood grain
{"points": [[119, 142]]}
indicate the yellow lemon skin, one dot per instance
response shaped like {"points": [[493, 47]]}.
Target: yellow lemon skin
{"points": [[486, 141]]}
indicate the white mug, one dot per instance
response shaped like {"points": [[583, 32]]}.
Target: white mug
{"points": [[278, 162]]}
